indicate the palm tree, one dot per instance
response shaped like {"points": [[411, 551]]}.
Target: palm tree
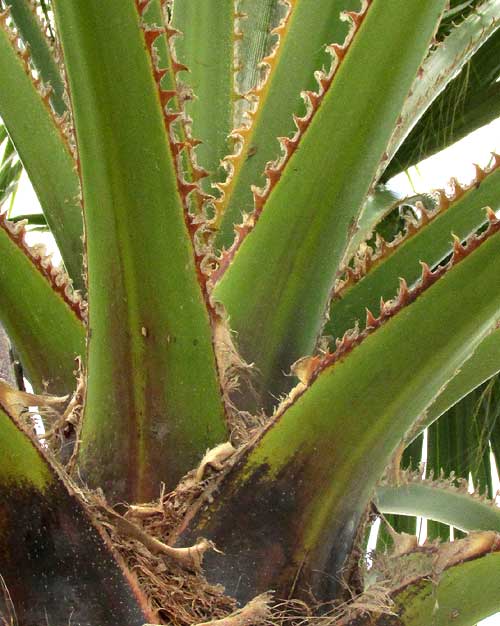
{"points": [[250, 332]]}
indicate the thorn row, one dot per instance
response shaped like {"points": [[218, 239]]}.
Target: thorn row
{"points": [[274, 169], [452, 483], [62, 123], [56, 276], [197, 224], [405, 296], [367, 257], [251, 101]]}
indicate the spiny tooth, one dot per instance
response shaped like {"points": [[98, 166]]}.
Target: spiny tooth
{"points": [[171, 116], [356, 18], [151, 35], [404, 292], [300, 122], [172, 32], [258, 199], [443, 200], [186, 188], [371, 320], [273, 175], [314, 98], [426, 272], [480, 173], [490, 214], [338, 50], [142, 5], [458, 189], [60, 279], [16, 228], [458, 249]]}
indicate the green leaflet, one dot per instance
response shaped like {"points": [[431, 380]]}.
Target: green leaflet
{"points": [[48, 546], [312, 472], [43, 151], [442, 64], [10, 167], [310, 25], [458, 442], [42, 52], [483, 364], [278, 313], [206, 47], [431, 585], [378, 205], [439, 501], [153, 399], [21, 461], [465, 594], [470, 101], [430, 242], [46, 332]]}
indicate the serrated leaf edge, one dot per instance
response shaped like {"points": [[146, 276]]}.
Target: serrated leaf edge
{"points": [[274, 169], [42, 261], [368, 257]]}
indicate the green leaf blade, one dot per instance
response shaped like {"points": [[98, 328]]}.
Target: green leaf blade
{"points": [[310, 25], [439, 501], [153, 394], [41, 51], [278, 314], [43, 152], [46, 331], [206, 47], [396, 371], [430, 243]]}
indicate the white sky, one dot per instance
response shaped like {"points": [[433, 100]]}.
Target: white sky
{"points": [[432, 173]]}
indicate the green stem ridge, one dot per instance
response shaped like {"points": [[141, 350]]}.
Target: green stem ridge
{"points": [[153, 398]]}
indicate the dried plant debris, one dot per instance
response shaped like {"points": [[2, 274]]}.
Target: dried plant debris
{"points": [[63, 435], [175, 587], [173, 580], [430, 560]]}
